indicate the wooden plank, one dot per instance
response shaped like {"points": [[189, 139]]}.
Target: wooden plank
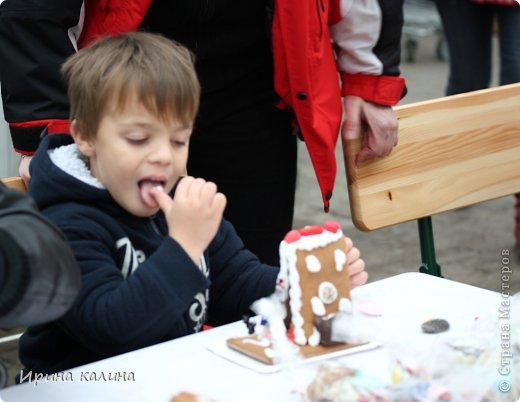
{"points": [[15, 183], [453, 152]]}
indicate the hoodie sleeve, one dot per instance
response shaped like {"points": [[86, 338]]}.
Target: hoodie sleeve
{"points": [[35, 39], [367, 36], [238, 277], [40, 275], [113, 314]]}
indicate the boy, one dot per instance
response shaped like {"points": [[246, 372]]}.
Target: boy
{"points": [[153, 268]]}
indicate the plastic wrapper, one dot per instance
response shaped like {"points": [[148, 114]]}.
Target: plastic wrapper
{"points": [[478, 362]]}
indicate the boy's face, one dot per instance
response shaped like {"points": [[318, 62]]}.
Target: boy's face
{"points": [[133, 151]]}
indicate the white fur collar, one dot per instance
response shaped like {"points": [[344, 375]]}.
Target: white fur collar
{"points": [[69, 159]]}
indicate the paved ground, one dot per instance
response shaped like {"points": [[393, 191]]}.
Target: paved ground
{"points": [[469, 242]]}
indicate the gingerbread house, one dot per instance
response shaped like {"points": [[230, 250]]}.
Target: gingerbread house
{"points": [[314, 279]]}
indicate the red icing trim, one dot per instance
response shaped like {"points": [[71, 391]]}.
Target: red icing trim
{"points": [[295, 235], [332, 226], [290, 334], [292, 236], [311, 230]]}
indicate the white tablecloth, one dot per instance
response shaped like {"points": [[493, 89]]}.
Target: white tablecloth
{"points": [[157, 373]]}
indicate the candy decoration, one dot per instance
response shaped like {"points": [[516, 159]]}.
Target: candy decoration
{"points": [[435, 326]]}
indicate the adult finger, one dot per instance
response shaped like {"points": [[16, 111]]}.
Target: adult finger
{"points": [[365, 153], [351, 127], [378, 142]]}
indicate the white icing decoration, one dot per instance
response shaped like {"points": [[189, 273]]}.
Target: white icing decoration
{"points": [[283, 292], [327, 292], [261, 342], [270, 353], [314, 339], [299, 336], [317, 306], [345, 305], [298, 321], [340, 258], [312, 263], [295, 293]]}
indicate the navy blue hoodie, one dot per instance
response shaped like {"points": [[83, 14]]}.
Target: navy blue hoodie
{"points": [[139, 287]]}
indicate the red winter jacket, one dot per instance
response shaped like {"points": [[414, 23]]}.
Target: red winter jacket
{"points": [[306, 68]]}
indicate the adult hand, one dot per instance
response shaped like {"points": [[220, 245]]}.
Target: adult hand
{"points": [[358, 275], [23, 169], [193, 215], [381, 122]]}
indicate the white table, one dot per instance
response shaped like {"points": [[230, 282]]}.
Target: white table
{"points": [[186, 364]]}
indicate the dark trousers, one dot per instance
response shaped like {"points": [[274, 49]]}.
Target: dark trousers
{"points": [[468, 29], [250, 154]]}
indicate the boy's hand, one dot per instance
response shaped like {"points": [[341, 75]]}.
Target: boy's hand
{"points": [[358, 275], [193, 215], [23, 169]]}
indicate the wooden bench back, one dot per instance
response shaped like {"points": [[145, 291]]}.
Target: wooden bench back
{"points": [[15, 183], [453, 152]]}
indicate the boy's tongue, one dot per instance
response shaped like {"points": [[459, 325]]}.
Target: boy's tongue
{"points": [[144, 187]]}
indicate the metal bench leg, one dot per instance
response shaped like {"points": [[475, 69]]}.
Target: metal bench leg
{"points": [[429, 263]]}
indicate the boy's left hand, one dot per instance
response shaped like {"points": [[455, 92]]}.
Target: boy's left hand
{"points": [[358, 275]]}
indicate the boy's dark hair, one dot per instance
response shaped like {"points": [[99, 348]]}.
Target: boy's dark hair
{"points": [[157, 71]]}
